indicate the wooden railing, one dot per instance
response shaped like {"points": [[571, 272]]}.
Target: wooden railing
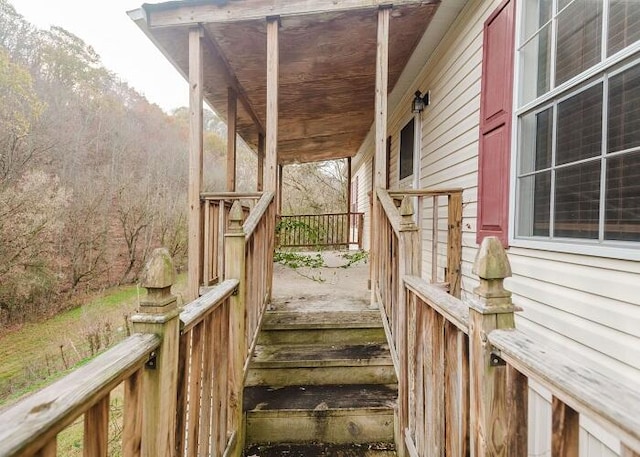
{"points": [[320, 230], [467, 371], [215, 207], [183, 371], [30, 428]]}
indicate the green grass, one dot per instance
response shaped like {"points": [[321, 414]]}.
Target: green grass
{"points": [[39, 353]]}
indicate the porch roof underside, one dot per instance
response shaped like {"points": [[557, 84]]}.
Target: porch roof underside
{"points": [[327, 67]]}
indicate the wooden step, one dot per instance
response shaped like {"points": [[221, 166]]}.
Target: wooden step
{"points": [[322, 450], [336, 414], [314, 364]]}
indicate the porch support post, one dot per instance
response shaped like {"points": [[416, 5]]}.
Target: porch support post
{"points": [[271, 155], [260, 185], [232, 110], [195, 162], [380, 159], [349, 177], [280, 173]]}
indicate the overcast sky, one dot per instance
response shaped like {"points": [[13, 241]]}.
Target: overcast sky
{"points": [[124, 48]]}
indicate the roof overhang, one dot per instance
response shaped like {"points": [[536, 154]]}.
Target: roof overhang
{"points": [[327, 63]]}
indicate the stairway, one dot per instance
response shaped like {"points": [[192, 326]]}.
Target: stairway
{"points": [[321, 382]]}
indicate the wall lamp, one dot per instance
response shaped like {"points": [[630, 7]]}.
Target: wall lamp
{"points": [[420, 102]]}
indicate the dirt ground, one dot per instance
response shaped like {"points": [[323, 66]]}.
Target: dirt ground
{"points": [[333, 283]]}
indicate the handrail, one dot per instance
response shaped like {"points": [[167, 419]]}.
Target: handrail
{"points": [[320, 214], [424, 192], [30, 424], [451, 308], [257, 214], [230, 195], [197, 310], [613, 405], [390, 210]]}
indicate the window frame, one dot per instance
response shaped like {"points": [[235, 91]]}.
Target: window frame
{"points": [[409, 177], [607, 68]]}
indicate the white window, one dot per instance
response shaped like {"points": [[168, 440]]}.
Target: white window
{"points": [[577, 168]]}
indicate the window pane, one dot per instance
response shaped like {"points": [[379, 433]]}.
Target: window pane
{"points": [[624, 24], [537, 13], [624, 110], [536, 141], [580, 126], [563, 3], [579, 38], [577, 195], [623, 198], [406, 150], [535, 208], [536, 66]]}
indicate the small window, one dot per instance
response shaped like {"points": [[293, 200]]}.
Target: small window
{"points": [[407, 140]]}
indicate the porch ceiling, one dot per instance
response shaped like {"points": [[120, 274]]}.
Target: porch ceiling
{"points": [[327, 69]]}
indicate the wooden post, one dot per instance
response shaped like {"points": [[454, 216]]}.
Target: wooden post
{"points": [[380, 159], [349, 196], [196, 80], [409, 247], [279, 199], [235, 269], [260, 186], [159, 314], [454, 243], [491, 309], [232, 110], [271, 156]]}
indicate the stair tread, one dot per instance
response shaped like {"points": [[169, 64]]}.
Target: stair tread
{"points": [[276, 320], [304, 355], [320, 398], [322, 450]]}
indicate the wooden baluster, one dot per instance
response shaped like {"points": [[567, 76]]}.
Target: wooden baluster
{"points": [[454, 244], [566, 430], [132, 416], [434, 241], [491, 309], [49, 450], [96, 429], [159, 315], [235, 268]]}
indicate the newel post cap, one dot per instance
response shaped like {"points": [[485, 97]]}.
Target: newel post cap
{"points": [[159, 272], [491, 260]]}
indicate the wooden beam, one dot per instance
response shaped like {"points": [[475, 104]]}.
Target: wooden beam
{"points": [[196, 86], [349, 177], [232, 116], [273, 65], [260, 184], [174, 14], [566, 430], [231, 79]]}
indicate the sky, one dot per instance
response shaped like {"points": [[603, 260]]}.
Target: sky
{"points": [[124, 48]]}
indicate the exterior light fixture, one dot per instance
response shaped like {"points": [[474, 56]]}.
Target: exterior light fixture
{"points": [[420, 102]]}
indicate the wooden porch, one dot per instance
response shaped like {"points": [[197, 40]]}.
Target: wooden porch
{"points": [[305, 81]]}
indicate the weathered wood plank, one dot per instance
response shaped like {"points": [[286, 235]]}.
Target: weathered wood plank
{"points": [[48, 450], [607, 401], [565, 430], [232, 118], [260, 171], [454, 244], [196, 94], [230, 195], [452, 308], [195, 389], [196, 311], [435, 402], [181, 402], [132, 416], [96, 429], [390, 210], [257, 214], [518, 404], [177, 13], [273, 67], [456, 379], [397, 193], [39, 418], [206, 401]]}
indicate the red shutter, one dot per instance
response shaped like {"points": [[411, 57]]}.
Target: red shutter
{"points": [[495, 123]]}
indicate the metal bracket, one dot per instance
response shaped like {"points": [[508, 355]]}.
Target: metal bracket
{"points": [[152, 363], [496, 360]]}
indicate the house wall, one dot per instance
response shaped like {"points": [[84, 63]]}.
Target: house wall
{"points": [[588, 304]]}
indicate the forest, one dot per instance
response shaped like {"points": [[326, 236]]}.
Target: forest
{"points": [[93, 176]]}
